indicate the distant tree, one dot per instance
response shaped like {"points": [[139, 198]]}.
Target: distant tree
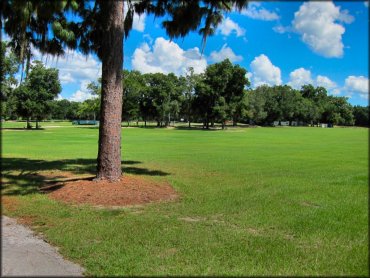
{"points": [[188, 84], [308, 112], [337, 111], [220, 97], [256, 105], [64, 109], [133, 88], [361, 115], [146, 106], [234, 93], [33, 97], [319, 97], [204, 102], [8, 68], [289, 101], [88, 109], [164, 95], [239, 109]]}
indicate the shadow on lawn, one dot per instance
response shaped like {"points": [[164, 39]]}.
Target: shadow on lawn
{"points": [[21, 176]]}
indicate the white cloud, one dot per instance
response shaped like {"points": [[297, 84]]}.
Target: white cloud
{"points": [[317, 24], [73, 67], [357, 84], [282, 29], [138, 22], [66, 78], [255, 11], [82, 94], [366, 3], [166, 56], [228, 27], [325, 82], [225, 53], [264, 72], [300, 77]]}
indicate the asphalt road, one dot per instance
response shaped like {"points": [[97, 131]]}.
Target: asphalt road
{"points": [[24, 254]]}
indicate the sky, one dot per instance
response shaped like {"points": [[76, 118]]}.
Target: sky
{"points": [[295, 43]]}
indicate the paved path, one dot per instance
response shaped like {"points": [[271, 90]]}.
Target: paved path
{"points": [[24, 254]]}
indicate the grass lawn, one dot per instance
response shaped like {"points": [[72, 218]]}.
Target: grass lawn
{"points": [[254, 201]]}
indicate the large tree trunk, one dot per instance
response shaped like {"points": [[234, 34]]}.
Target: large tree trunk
{"points": [[109, 154]]}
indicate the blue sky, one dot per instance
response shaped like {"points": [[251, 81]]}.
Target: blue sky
{"points": [[295, 43]]}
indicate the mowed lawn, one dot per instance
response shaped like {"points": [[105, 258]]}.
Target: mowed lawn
{"points": [[254, 201]]}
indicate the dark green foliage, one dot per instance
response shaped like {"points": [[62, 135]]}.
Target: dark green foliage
{"points": [[33, 97], [64, 109], [8, 68], [310, 105], [133, 89], [361, 115], [165, 96], [219, 94], [337, 111]]}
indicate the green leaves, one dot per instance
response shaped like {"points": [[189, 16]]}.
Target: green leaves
{"points": [[33, 97]]}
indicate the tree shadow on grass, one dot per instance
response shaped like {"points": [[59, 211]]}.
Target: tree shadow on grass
{"points": [[22, 176]]}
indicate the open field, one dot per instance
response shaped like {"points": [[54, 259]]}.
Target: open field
{"points": [[254, 201]]}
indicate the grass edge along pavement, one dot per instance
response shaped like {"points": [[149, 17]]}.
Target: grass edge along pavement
{"points": [[262, 201]]}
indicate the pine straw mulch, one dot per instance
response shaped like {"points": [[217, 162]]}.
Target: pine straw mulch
{"points": [[129, 190]]}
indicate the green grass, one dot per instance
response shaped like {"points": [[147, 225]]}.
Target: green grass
{"points": [[262, 201]]}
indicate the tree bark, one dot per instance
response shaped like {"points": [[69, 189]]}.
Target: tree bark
{"points": [[109, 154]]}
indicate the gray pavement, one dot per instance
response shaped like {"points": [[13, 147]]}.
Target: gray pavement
{"points": [[24, 254]]}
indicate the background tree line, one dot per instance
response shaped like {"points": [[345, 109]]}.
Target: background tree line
{"points": [[219, 95]]}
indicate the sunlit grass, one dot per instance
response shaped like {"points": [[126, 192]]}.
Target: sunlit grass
{"points": [[254, 201]]}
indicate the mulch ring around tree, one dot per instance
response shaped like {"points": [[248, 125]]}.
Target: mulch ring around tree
{"points": [[129, 190]]}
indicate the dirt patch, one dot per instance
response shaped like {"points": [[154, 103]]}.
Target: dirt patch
{"points": [[9, 203], [27, 220], [130, 190]]}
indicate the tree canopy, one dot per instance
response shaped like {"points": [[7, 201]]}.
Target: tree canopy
{"points": [[33, 97]]}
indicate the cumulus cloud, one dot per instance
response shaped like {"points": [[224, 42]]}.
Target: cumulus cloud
{"points": [[72, 67], [255, 11], [318, 25], [228, 27], [82, 94], [357, 84], [225, 53], [264, 72], [66, 78], [325, 82], [165, 57], [300, 77]]}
